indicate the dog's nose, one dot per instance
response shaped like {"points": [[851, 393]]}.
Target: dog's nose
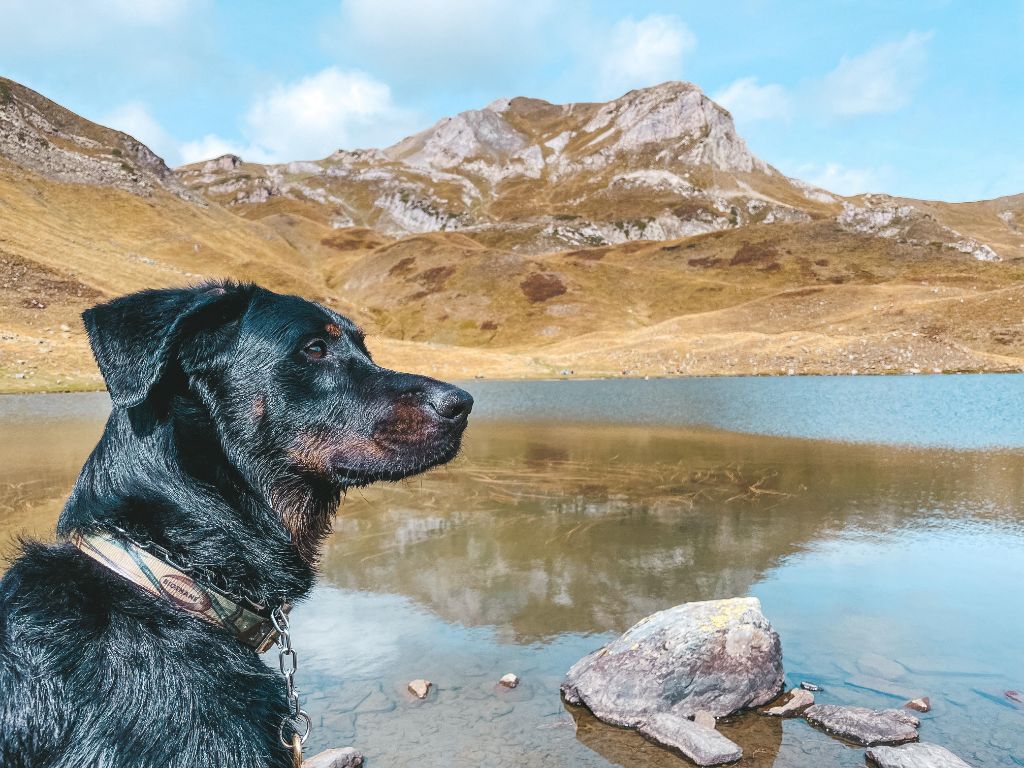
{"points": [[450, 403]]}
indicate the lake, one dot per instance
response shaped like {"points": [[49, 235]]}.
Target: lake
{"points": [[879, 520]]}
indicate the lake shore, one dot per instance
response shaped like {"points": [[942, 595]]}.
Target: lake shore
{"points": [[63, 363]]}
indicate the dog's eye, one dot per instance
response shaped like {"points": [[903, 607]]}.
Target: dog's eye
{"points": [[315, 350]]}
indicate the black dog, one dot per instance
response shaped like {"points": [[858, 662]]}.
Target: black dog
{"points": [[240, 417]]}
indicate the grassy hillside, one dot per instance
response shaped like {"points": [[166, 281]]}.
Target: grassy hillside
{"points": [[807, 298]]}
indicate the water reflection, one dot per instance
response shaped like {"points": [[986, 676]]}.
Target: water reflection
{"points": [[544, 530], [542, 541]]}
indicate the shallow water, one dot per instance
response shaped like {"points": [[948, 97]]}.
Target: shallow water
{"points": [[546, 539]]}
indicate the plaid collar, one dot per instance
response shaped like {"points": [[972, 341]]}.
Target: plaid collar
{"points": [[250, 624]]}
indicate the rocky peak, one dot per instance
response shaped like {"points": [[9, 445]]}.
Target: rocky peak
{"points": [[679, 116], [44, 137], [223, 163], [475, 134], [521, 135]]}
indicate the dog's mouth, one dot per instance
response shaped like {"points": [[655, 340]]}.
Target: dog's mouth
{"points": [[415, 463], [389, 461]]}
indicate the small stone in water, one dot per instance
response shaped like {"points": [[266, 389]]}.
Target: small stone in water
{"points": [[510, 680], [335, 758], [420, 688], [922, 704], [810, 686], [799, 699], [705, 720]]}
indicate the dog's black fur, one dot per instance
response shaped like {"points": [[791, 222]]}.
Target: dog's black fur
{"points": [[240, 417]]}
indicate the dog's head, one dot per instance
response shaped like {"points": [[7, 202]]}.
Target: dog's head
{"points": [[289, 385]]}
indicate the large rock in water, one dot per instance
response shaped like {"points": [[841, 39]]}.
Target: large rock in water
{"points": [[719, 656], [704, 746], [865, 726]]}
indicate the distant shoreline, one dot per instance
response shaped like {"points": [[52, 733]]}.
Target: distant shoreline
{"points": [[4, 391]]}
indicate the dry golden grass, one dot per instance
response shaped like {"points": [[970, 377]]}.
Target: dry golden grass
{"points": [[806, 298]]}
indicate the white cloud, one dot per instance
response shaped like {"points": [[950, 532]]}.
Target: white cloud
{"points": [[643, 53], [134, 118], [310, 118], [303, 120], [749, 101], [882, 79], [841, 179], [210, 146]]}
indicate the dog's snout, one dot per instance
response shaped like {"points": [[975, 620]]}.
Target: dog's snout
{"points": [[450, 403]]}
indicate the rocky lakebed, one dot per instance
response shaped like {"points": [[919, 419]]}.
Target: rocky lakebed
{"points": [[676, 673]]}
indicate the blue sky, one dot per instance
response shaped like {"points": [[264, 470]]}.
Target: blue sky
{"points": [[924, 99]]}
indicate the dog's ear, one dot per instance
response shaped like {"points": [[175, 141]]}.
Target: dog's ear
{"points": [[134, 338]]}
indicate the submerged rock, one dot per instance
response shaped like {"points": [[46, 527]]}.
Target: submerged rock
{"points": [[864, 726], [914, 756], [799, 700], [719, 656], [876, 665], [880, 685], [335, 758], [704, 746], [420, 688]]}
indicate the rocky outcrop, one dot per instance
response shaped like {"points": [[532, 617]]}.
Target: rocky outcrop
{"points": [[222, 163], [914, 756], [980, 251], [720, 656], [43, 137], [864, 726], [884, 216]]}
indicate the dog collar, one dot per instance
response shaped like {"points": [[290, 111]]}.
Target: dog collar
{"points": [[252, 626]]}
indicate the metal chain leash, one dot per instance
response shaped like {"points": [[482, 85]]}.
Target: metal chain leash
{"points": [[288, 661]]}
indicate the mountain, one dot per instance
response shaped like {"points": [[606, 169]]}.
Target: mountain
{"points": [[58, 144], [525, 175], [656, 164], [640, 236]]}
